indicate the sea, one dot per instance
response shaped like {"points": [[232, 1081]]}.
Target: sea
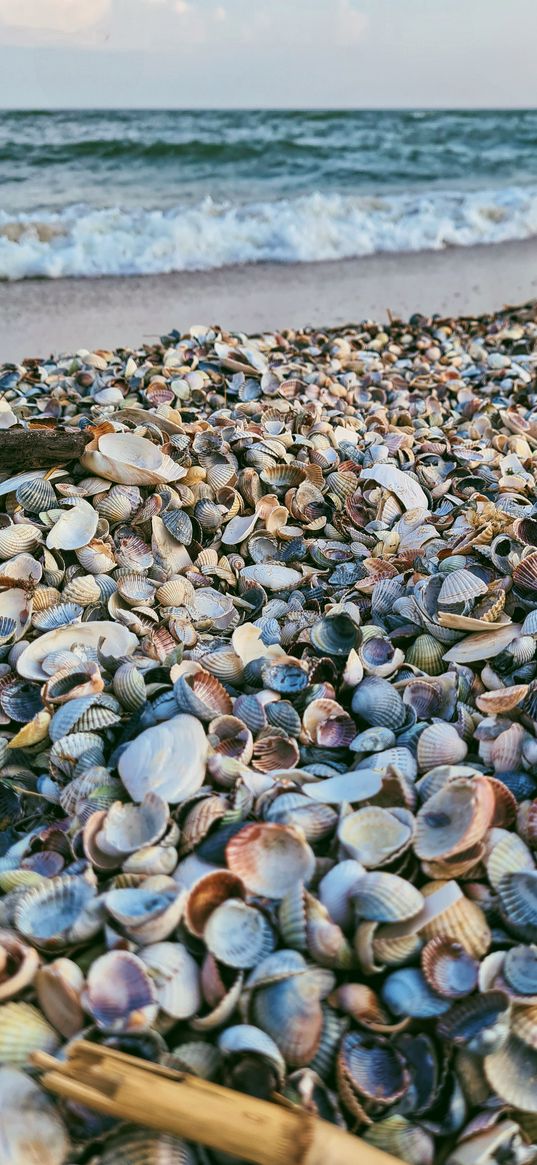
{"points": [[130, 192]]}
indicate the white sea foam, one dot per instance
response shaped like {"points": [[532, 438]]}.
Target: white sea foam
{"points": [[84, 241]]}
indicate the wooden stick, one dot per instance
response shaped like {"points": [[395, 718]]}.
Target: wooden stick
{"points": [[186, 1106], [40, 448]]}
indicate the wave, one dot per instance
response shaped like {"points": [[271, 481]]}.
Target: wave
{"points": [[82, 241]]}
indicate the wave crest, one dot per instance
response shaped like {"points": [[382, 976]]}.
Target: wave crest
{"points": [[81, 241]]}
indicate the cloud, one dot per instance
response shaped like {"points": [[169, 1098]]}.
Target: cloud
{"points": [[52, 16]]}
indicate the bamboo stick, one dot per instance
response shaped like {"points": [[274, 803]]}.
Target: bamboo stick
{"points": [[186, 1106]]}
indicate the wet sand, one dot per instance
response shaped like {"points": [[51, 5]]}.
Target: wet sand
{"points": [[38, 317]]}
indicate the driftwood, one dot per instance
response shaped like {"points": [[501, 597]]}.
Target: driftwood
{"points": [[185, 1106], [40, 448]]}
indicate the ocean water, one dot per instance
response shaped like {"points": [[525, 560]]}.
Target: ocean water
{"points": [[138, 192]]}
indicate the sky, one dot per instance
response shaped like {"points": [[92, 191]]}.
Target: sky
{"points": [[267, 53]]}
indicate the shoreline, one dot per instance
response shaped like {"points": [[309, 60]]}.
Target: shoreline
{"points": [[42, 316]]}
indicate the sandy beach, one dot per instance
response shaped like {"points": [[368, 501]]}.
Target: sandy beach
{"points": [[38, 317]]}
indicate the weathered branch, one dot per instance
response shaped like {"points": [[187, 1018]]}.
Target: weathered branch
{"points": [[40, 448]]}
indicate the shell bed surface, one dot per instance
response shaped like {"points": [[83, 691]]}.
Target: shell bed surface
{"points": [[268, 733]]}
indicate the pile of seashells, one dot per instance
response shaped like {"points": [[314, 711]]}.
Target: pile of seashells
{"points": [[268, 717]]}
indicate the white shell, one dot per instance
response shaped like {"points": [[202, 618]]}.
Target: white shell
{"points": [[130, 460], [408, 491], [75, 528], [176, 977], [168, 759], [117, 641]]}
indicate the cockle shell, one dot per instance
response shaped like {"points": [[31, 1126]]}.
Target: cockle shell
{"points": [[270, 858]]}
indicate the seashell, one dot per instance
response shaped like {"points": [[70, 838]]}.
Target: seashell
{"points": [[245, 1039], [135, 589], [408, 492], [398, 1136], [315, 820], [479, 1023], [375, 837], [460, 919], [270, 858], [460, 586], [114, 640], [511, 1073], [147, 914], [74, 528], [377, 703], [282, 714], [289, 1011], [379, 657], [127, 828], [179, 525], [18, 539], [129, 460], [271, 576], [59, 988], [18, 965], [336, 890], [32, 1129], [119, 503], [448, 968], [238, 935], [335, 635], [59, 913], [168, 759], [454, 819], [440, 744], [129, 687], [517, 892], [175, 976], [373, 1068], [24, 1030], [407, 993], [272, 752], [133, 1146], [201, 695], [119, 994], [57, 616], [356, 786], [520, 969], [427, 654], [285, 675], [383, 897], [36, 495]]}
